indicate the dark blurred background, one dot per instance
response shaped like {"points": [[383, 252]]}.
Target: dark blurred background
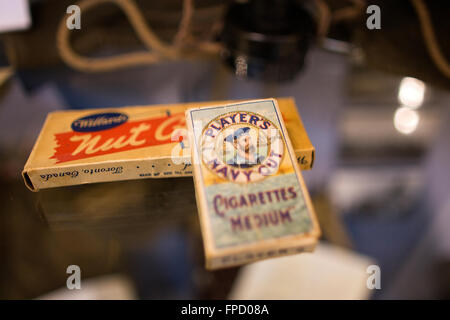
{"points": [[374, 103]]}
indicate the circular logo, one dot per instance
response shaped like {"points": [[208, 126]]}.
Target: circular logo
{"points": [[242, 147], [99, 122]]}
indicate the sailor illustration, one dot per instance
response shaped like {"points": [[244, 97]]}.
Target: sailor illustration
{"points": [[245, 155]]}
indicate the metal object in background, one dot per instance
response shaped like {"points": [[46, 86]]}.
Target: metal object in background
{"points": [[268, 39]]}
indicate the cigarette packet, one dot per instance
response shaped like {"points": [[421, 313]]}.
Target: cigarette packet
{"points": [[252, 200]]}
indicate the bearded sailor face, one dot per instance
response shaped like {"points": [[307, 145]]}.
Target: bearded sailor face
{"points": [[243, 143]]}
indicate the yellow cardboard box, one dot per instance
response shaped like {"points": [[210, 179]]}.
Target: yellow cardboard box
{"points": [[100, 145]]}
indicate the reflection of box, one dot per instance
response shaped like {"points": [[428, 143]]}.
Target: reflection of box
{"points": [[99, 145], [127, 207]]}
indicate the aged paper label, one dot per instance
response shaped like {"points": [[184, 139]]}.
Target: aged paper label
{"points": [[100, 145], [249, 187]]}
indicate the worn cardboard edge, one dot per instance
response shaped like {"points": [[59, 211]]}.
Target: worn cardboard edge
{"points": [[28, 182], [214, 256], [201, 201], [261, 253], [25, 174], [31, 176], [310, 153], [315, 232]]}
